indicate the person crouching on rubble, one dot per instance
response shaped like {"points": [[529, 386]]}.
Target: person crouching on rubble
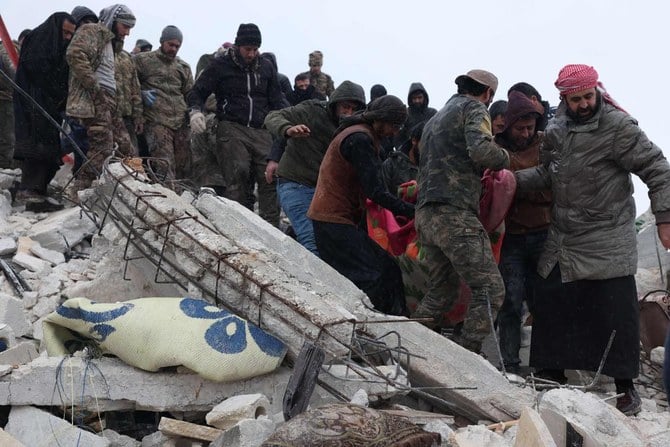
{"points": [[350, 172]]}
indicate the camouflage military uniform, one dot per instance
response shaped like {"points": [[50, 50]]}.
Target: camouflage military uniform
{"points": [[166, 125], [128, 101], [322, 82], [456, 145], [6, 111], [87, 101]]}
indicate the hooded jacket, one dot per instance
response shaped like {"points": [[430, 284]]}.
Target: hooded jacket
{"points": [[415, 115], [301, 161], [592, 233], [244, 93]]}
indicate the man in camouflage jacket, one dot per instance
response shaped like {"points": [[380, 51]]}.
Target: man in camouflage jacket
{"points": [[321, 81], [457, 145], [93, 88], [168, 79]]}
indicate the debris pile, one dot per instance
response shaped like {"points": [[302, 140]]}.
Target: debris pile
{"points": [[131, 239]]}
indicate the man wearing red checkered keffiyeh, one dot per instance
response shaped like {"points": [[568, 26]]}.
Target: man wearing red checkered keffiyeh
{"points": [[588, 292]]}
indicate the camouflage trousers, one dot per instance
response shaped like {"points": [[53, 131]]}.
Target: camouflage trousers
{"points": [[456, 246], [102, 131], [241, 153], [6, 133], [172, 149]]}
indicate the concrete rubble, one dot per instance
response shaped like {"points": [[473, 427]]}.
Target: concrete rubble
{"points": [[260, 273]]}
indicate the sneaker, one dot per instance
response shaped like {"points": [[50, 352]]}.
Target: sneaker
{"points": [[630, 403], [46, 206]]}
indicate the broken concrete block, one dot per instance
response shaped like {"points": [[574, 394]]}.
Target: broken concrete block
{"points": [[439, 427], [12, 313], [32, 263], [7, 337], [157, 439], [118, 440], [51, 256], [29, 299], [247, 433], [35, 427], [655, 426], [20, 354], [24, 244], [177, 429], [111, 385], [476, 436], [45, 306], [596, 421], [51, 285], [533, 431], [5, 204], [229, 412], [70, 225], [7, 440], [360, 397], [657, 355], [7, 246]]}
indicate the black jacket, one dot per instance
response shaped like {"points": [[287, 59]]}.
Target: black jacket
{"points": [[415, 115], [244, 93]]}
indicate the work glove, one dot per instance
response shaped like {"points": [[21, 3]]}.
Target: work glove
{"points": [[148, 97], [198, 122]]}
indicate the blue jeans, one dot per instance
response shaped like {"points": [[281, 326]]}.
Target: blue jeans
{"points": [[518, 265], [294, 199]]}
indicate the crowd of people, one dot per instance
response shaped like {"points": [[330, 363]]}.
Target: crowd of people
{"points": [[318, 153]]}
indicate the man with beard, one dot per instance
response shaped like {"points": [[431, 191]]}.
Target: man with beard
{"points": [[246, 89], [417, 111], [43, 73], [350, 173], [592, 146], [92, 96], [526, 223], [456, 146], [308, 127], [303, 90], [163, 75]]}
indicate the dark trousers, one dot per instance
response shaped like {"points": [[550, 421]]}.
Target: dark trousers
{"points": [[351, 252], [518, 263], [36, 174]]}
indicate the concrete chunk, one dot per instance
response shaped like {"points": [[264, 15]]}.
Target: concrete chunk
{"points": [[118, 386], [7, 246], [176, 428], [32, 263], [598, 422], [118, 440], [20, 354], [69, 225], [533, 431], [476, 436], [52, 256], [12, 313], [34, 427], [247, 433], [657, 355], [231, 411]]}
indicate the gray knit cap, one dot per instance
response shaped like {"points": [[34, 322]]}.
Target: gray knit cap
{"points": [[171, 32], [117, 13]]}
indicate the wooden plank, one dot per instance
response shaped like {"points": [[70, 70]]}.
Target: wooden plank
{"points": [[174, 427]]}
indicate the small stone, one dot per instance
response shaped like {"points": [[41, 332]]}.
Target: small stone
{"points": [[7, 246], [29, 299], [658, 355], [51, 256]]}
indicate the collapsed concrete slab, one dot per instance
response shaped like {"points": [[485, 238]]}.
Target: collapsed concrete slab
{"points": [[112, 385], [7, 440], [439, 364], [20, 354], [33, 427], [533, 431]]}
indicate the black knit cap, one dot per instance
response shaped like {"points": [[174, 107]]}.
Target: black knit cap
{"points": [[387, 108], [248, 34]]}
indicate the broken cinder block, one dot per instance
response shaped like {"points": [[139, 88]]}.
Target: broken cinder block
{"points": [[232, 410]]}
